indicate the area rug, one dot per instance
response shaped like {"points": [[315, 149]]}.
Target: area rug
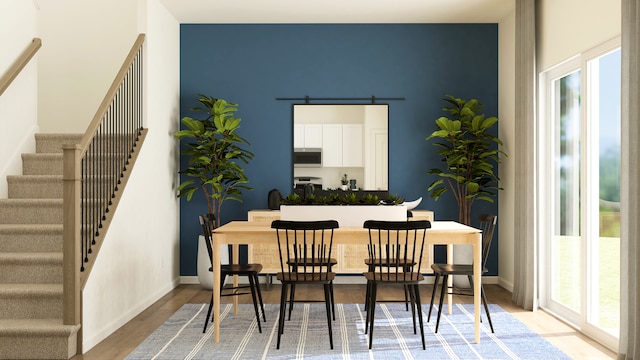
{"points": [[306, 335]]}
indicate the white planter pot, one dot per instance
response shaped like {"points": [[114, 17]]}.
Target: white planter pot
{"points": [[462, 254], [204, 275], [346, 215]]}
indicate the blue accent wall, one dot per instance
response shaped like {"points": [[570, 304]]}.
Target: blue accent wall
{"points": [[252, 65]]}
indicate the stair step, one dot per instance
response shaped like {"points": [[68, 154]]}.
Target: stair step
{"points": [[51, 163], [32, 268], [30, 238], [30, 211], [31, 301], [37, 339], [52, 142], [34, 186], [42, 164]]}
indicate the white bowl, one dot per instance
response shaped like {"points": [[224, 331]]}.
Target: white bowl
{"points": [[412, 204]]}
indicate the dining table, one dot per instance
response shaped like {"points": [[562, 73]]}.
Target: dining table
{"points": [[446, 233]]}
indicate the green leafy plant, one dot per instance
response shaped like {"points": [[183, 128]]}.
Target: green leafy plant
{"points": [[215, 153], [342, 198], [334, 199], [370, 199], [470, 154], [291, 199], [350, 198], [393, 199]]}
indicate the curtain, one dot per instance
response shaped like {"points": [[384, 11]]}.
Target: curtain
{"points": [[525, 270], [629, 346]]}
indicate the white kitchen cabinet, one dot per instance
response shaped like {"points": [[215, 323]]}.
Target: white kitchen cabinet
{"points": [[332, 145], [342, 145], [352, 145], [307, 136]]}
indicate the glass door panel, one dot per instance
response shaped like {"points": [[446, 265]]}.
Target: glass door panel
{"points": [[566, 265], [604, 253]]}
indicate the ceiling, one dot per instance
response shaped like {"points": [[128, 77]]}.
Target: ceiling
{"points": [[338, 11]]}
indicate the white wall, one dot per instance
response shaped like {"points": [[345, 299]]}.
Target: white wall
{"points": [[568, 27], [506, 132], [139, 261], [18, 111], [86, 43]]}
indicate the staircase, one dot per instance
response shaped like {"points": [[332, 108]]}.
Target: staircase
{"points": [[31, 257]]}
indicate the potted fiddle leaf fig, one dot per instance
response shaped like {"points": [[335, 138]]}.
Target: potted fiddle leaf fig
{"points": [[470, 155], [215, 152]]}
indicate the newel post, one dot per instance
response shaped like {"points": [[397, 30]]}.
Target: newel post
{"points": [[71, 176]]}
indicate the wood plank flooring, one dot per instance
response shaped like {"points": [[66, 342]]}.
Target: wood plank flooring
{"points": [[123, 341]]}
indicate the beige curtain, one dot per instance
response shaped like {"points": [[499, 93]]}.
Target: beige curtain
{"points": [[525, 271], [629, 347]]}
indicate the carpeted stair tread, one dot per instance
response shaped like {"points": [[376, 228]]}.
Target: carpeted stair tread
{"points": [[34, 290], [52, 142], [42, 164], [35, 326], [37, 339], [30, 238], [44, 257], [34, 186], [30, 211], [31, 201], [31, 301], [31, 267], [34, 177], [29, 228]]}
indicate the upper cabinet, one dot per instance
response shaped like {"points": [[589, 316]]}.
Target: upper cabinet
{"points": [[307, 136], [352, 145], [342, 145], [332, 145]]}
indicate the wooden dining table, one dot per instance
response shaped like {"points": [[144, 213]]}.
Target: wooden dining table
{"points": [[441, 233]]}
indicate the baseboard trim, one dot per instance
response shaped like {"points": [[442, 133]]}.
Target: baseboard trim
{"points": [[505, 284]]}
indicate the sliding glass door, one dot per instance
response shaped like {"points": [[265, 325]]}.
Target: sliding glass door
{"points": [[580, 175]]}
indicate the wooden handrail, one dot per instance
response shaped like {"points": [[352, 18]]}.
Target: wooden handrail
{"points": [[111, 93], [95, 172], [19, 64]]}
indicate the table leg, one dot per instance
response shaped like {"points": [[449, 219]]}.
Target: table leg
{"points": [[217, 240], [449, 283], [236, 260], [477, 286]]}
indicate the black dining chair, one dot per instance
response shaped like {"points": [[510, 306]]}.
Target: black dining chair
{"points": [[371, 265], [487, 225], [251, 271], [308, 262], [400, 246], [304, 249]]}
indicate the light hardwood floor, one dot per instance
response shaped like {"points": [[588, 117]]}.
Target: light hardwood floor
{"points": [[123, 341]]}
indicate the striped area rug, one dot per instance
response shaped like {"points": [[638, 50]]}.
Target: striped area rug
{"points": [[306, 336]]}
